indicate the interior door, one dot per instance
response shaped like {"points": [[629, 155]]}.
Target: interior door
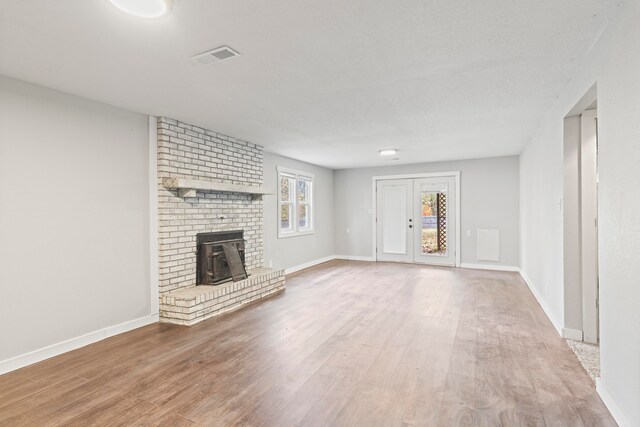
{"points": [[434, 216], [394, 220], [589, 224]]}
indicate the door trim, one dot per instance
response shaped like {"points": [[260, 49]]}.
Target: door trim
{"points": [[374, 228]]}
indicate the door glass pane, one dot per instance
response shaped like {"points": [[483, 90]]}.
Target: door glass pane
{"points": [[434, 222]]}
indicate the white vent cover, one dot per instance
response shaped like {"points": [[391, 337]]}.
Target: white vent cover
{"points": [[215, 55]]}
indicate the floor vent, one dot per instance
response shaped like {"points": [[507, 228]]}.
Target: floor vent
{"points": [[216, 55]]}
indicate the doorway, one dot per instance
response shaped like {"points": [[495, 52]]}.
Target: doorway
{"points": [[580, 219], [417, 219]]}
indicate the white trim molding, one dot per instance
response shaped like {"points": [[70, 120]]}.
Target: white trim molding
{"points": [[154, 283], [315, 262], [602, 391], [355, 258], [374, 179], [572, 334], [611, 405], [493, 267], [417, 175], [309, 264], [542, 303], [50, 351]]}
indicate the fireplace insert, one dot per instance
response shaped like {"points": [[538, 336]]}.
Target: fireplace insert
{"points": [[212, 265]]}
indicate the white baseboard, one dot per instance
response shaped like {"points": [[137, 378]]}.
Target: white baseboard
{"points": [[542, 302], [489, 267], [35, 356], [572, 334], [355, 258], [325, 259], [308, 264], [611, 405]]}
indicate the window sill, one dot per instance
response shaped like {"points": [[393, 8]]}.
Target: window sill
{"points": [[295, 234]]}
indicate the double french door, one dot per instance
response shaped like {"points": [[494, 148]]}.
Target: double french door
{"points": [[415, 220]]}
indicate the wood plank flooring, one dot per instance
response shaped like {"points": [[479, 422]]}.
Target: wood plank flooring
{"points": [[347, 344]]}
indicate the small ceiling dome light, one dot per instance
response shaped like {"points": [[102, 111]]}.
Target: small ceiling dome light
{"points": [[388, 152], [144, 8]]}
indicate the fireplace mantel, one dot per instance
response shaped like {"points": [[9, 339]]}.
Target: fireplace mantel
{"points": [[188, 187]]}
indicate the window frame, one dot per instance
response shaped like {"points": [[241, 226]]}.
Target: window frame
{"points": [[296, 175]]}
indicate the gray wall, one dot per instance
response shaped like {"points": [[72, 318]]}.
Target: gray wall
{"points": [[298, 250], [489, 199], [74, 217], [614, 63]]}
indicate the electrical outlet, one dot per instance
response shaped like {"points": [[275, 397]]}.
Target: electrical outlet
{"points": [[348, 231], [468, 233]]}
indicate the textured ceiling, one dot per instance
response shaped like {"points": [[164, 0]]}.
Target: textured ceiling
{"points": [[329, 82]]}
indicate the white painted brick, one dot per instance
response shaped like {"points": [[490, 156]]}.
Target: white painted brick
{"points": [[188, 151]]}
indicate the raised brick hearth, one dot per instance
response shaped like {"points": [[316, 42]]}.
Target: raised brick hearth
{"points": [[192, 305], [191, 153]]}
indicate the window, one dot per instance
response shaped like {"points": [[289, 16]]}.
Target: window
{"points": [[295, 203]]}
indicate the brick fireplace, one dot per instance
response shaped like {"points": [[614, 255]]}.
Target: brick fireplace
{"points": [[207, 182]]}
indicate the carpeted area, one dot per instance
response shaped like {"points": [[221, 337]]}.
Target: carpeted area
{"points": [[588, 355]]}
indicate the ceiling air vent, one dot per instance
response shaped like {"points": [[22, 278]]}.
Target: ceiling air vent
{"points": [[216, 55]]}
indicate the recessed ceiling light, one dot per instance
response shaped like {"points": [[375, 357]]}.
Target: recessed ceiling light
{"points": [[144, 8], [388, 152]]}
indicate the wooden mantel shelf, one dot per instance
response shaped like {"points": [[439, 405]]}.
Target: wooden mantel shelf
{"points": [[187, 187]]}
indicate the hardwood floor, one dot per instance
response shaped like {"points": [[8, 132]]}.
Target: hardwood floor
{"points": [[347, 344]]}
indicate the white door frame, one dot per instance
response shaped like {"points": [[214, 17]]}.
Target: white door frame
{"points": [[375, 179]]}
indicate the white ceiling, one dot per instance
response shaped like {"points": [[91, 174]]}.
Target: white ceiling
{"points": [[329, 82]]}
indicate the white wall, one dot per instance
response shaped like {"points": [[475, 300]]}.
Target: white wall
{"points": [[291, 252], [489, 199], [74, 217], [614, 63]]}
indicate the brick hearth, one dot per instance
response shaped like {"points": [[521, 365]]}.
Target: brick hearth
{"points": [[192, 305]]}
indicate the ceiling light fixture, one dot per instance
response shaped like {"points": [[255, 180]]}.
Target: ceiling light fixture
{"points": [[388, 151], [144, 8]]}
